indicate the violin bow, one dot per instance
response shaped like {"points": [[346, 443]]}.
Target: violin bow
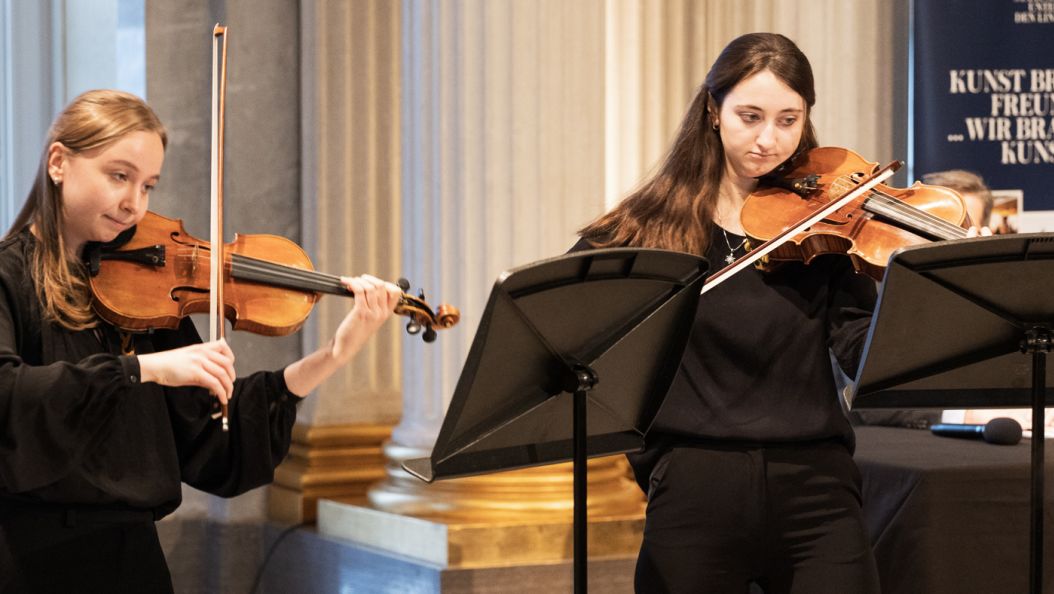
{"points": [[219, 92], [764, 249]]}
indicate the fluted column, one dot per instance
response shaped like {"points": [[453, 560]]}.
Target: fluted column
{"points": [[351, 225], [351, 187], [503, 157], [502, 149]]}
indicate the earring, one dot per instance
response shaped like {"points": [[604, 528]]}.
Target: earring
{"points": [[714, 125]]}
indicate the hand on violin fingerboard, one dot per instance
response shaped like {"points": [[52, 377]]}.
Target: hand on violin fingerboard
{"points": [[375, 301], [208, 365]]}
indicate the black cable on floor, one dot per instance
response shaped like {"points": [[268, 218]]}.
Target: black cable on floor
{"points": [[270, 552]]}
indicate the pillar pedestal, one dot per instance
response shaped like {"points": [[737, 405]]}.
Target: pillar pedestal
{"points": [[330, 461], [516, 517]]}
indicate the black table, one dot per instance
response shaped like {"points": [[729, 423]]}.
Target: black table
{"points": [[950, 515]]}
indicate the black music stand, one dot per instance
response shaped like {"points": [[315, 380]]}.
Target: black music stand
{"points": [[595, 334], [953, 322]]}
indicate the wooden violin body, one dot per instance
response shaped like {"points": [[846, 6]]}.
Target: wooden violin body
{"points": [[160, 274], [868, 230]]}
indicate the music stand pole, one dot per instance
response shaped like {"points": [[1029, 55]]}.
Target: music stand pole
{"points": [[586, 380], [1038, 342]]}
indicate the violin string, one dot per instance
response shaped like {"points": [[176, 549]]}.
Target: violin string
{"points": [[250, 268], [912, 214], [285, 275], [922, 217], [952, 228], [255, 263], [917, 216], [290, 276], [296, 277], [310, 280]]}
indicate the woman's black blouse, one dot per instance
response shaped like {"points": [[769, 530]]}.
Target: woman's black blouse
{"points": [[757, 368], [77, 427]]}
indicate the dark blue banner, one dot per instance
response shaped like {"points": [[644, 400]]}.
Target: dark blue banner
{"points": [[984, 93]]}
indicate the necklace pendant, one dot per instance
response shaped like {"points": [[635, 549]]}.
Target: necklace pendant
{"points": [[730, 258]]}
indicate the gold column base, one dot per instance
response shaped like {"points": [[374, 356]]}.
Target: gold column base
{"points": [[541, 493], [326, 462], [455, 544], [516, 517]]}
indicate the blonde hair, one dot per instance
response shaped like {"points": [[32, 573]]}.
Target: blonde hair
{"points": [[93, 120]]}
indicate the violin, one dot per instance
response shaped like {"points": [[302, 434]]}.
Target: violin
{"points": [[155, 274], [868, 229], [831, 200]]}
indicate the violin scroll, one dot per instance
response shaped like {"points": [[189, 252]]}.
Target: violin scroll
{"points": [[421, 315]]}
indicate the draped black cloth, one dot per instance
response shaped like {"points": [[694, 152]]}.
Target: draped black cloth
{"points": [[949, 515]]}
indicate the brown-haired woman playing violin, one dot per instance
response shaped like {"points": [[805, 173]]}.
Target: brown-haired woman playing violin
{"points": [[99, 427], [748, 466]]}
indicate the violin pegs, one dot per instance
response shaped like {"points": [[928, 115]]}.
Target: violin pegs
{"points": [[421, 295], [412, 327], [403, 284], [429, 335]]}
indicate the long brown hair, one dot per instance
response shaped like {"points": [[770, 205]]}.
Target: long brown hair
{"points": [[93, 120], [675, 209]]}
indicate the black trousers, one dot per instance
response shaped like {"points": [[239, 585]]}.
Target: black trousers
{"points": [[46, 549], [788, 518]]}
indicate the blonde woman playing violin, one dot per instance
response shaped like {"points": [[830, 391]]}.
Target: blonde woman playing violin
{"points": [[98, 435]]}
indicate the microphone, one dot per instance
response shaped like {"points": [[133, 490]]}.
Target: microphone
{"points": [[1000, 431]]}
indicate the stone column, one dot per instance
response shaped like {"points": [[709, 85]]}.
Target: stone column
{"points": [[502, 147], [350, 190], [503, 135], [502, 160]]}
